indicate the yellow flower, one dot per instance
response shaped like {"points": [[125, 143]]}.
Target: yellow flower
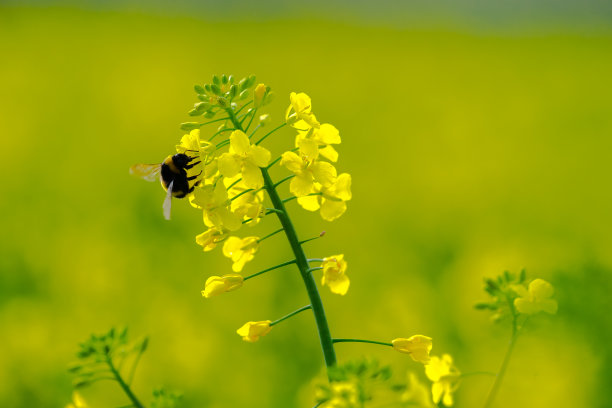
{"points": [[244, 158], [536, 299], [332, 200], [258, 95], [248, 205], [334, 274], [417, 346], [416, 394], [445, 378], [215, 285], [299, 113], [307, 173], [240, 251], [323, 137], [77, 401], [252, 331], [210, 238], [344, 394], [214, 201]]}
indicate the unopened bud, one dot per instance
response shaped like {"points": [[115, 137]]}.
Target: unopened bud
{"points": [[244, 94], [233, 91], [231, 79], [216, 80], [215, 89], [264, 119], [199, 90], [209, 114], [258, 95], [188, 126], [222, 102], [224, 79]]}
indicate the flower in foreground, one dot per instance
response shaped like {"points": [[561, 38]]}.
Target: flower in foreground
{"points": [[535, 299], [244, 158], [299, 113], [417, 346], [334, 274], [308, 171], [210, 238], [215, 285], [445, 378], [252, 331], [213, 200], [240, 251], [331, 200]]}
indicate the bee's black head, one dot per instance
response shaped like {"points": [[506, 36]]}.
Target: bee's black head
{"points": [[181, 160]]}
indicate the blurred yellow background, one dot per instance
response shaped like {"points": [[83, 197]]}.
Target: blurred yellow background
{"points": [[472, 151]]}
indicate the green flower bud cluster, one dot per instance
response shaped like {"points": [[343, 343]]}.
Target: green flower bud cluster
{"points": [[502, 291], [221, 94]]}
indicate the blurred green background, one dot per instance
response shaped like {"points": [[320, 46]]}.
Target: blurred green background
{"points": [[476, 145]]}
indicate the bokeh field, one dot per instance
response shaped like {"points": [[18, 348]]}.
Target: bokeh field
{"points": [[472, 152]]}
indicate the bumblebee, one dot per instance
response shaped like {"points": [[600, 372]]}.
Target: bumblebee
{"points": [[172, 173]]}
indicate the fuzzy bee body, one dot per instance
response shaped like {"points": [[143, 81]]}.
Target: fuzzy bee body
{"points": [[173, 176]]}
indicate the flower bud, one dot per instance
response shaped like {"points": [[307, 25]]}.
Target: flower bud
{"points": [[199, 89], [222, 102], [259, 95], [216, 80], [231, 79], [188, 126], [251, 81], [215, 285], [418, 347], [233, 91], [252, 331], [224, 79], [209, 114], [264, 119], [244, 94], [215, 89]]}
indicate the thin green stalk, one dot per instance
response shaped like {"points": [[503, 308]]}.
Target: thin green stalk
{"points": [[327, 345], [269, 133], [300, 310], [382, 343], [270, 235], [219, 132], [250, 121], [312, 239], [124, 386], [241, 193], [502, 370], [316, 268], [270, 269], [278, 183]]}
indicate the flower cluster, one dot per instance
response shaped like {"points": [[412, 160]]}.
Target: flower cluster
{"points": [[512, 297], [316, 184]]}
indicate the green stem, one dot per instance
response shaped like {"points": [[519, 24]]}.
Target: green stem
{"points": [[270, 269], [382, 343], [316, 268], [270, 234], [312, 239], [219, 132], [268, 134], [502, 370], [283, 180], [327, 345], [124, 386], [250, 121], [301, 309]]}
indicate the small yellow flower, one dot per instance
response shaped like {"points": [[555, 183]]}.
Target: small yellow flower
{"points": [[334, 274], [248, 205], [332, 200], [240, 251], [244, 158], [214, 201], [445, 378], [252, 331], [299, 113], [307, 173], [417, 346], [210, 238], [215, 285], [77, 401], [344, 394], [536, 299], [324, 137], [258, 95]]}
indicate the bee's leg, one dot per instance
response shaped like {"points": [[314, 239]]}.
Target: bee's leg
{"points": [[187, 167], [192, 188], [194, 177]]}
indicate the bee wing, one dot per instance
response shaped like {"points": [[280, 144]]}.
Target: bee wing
{"points": [[168, 201], [148, 172]]}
